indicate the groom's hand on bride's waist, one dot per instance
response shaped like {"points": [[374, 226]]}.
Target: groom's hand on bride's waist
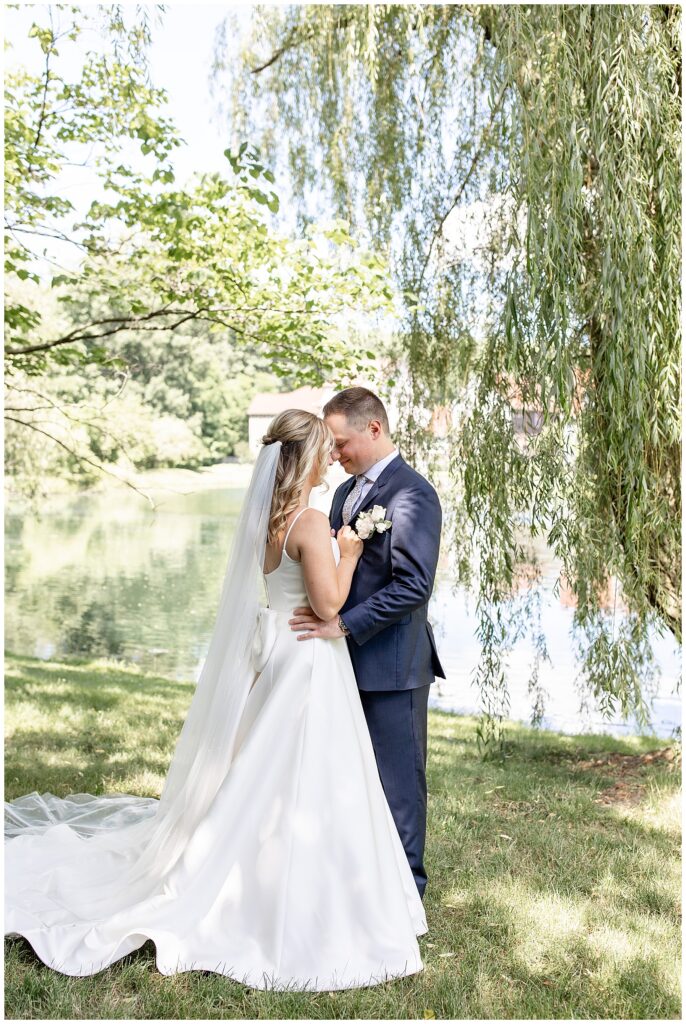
{"points": [[308, 625]]}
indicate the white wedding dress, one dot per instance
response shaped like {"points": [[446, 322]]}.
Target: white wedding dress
{"points": [[295, 878]]}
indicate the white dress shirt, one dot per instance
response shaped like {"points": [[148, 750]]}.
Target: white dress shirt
{"points": [[372, 475]]}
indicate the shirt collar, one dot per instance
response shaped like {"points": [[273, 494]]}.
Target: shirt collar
{"points": [[375, 471]]}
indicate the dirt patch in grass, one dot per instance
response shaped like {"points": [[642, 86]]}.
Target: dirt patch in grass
{"points": [[628, 771]]}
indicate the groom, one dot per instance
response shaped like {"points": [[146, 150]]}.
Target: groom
{"points": [[390, 640]]}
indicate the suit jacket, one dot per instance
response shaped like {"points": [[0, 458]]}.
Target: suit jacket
{"points": [[392, 645]]}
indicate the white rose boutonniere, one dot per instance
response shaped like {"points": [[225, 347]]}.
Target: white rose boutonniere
{"points": [[372, 521]]}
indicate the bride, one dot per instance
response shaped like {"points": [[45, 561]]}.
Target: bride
{"points": [[271, 856]]}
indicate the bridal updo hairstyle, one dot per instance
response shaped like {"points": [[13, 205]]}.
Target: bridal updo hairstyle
{"points": [[306, 443]]}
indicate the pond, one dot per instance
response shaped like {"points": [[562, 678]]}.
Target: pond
{"points": [[102, 574]]}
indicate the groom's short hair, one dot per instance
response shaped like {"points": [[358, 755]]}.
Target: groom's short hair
{"points": [[359, 406]]}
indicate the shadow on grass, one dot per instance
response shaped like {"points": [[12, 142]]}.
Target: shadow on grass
{"points": [[110, 725], [88, 688], [542, 902], [560, 962]]}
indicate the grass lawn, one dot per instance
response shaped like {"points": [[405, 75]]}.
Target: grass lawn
{"points": [[554, 875]]}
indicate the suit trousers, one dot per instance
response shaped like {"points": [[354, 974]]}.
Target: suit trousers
{"points": [[397, 721]]}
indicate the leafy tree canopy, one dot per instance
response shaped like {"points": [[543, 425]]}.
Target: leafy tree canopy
{"points": [[152, 257]]}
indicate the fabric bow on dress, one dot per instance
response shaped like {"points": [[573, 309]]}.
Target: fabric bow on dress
{"points": [[264, 637]]}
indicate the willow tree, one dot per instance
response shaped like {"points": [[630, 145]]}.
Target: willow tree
{"points": [[555, 132]]}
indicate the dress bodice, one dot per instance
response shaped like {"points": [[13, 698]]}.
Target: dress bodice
{"points": [[285, 585]]}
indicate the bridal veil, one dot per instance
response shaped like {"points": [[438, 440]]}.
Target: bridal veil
{"points": [[142, 838]]}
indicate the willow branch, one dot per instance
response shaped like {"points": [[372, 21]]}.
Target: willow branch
{"points": [[460, 192], [294, 39], [291, 41]]}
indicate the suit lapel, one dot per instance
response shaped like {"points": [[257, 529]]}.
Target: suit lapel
{"points": [[378, 486], [369, 499]]}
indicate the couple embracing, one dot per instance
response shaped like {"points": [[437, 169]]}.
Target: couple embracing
{"points": [[286, 850]]}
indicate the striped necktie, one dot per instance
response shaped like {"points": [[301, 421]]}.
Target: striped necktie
{"points": [[352, 498]]}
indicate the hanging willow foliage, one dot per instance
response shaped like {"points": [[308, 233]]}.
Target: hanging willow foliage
{"points": [[551, 136]]}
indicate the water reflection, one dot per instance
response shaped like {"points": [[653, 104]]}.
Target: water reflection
{"points": [[104, 575]]}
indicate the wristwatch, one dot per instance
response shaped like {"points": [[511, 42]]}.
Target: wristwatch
{"points": [[342, 626]]}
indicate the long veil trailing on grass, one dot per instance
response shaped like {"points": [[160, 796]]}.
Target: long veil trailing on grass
{"points": [[140, 838]]}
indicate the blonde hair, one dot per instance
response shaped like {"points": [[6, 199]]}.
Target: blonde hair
{"points": [[306, 442]]}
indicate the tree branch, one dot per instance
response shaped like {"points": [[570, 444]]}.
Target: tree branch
{"points": [[291, 41], [44, 101], [83, 458], [58, 236], [137, 324], [460, 192]]}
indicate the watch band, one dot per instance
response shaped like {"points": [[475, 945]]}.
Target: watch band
{"points": [[342, 626]]}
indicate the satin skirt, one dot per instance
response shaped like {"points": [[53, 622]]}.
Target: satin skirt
{"points": [[296, 877]]}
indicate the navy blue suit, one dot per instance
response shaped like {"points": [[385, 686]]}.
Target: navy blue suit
{"points": [[392, 645]]}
